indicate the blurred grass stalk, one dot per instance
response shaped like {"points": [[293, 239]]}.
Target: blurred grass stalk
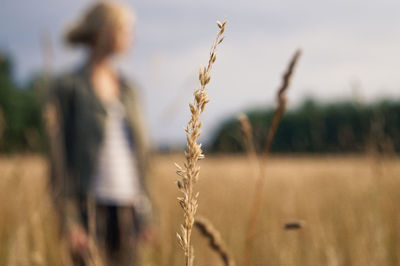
{"points": [[215, 240], [247, 133]]}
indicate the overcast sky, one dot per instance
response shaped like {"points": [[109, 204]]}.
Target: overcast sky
{"points": [[346, 44]]}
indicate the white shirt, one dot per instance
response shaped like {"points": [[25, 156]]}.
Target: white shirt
{"points": [[116, 179]]}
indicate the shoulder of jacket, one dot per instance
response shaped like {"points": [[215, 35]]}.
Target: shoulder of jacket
{"points": [[68, 81], [69, 77]]}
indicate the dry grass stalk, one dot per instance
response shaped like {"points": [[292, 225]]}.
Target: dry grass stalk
{"points": [[258, 195], [38, 239], [215, 241], [281, 98], [93, 256], [47, 54], [247, 133], [189, 174], [53, 121], [18, 246]]}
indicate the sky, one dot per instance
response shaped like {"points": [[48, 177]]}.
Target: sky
{"points": [[350, 50]]}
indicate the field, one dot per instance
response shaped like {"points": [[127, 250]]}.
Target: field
{"points": [[349, 206]]}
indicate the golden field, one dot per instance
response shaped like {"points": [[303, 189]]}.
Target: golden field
{"points": [[350, 207]]}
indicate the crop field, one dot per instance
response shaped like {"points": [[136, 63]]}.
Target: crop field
{"points": [[347, 206]]}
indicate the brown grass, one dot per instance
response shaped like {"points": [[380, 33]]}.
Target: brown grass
{"points": [[349, 205]]}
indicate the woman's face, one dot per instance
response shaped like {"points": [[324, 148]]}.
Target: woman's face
{"points": [[117, 38], [122, 37]]}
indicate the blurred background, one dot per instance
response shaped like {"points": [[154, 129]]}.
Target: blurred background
{"points": [[350, 54], [335, 168]]}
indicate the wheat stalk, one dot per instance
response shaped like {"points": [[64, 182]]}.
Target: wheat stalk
{"points": [[258, 195], [189, 173]]}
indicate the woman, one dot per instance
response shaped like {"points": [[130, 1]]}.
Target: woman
{"points": [[98, 147]]}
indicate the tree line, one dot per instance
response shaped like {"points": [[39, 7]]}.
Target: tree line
{"points": [[328, 128]]}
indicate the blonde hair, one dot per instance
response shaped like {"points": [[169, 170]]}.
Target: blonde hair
{"points": [[101, 15]]}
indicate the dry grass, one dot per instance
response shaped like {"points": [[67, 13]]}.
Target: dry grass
{"points": [[349, 206], [352, 215], [28, 225], [189, 173]]}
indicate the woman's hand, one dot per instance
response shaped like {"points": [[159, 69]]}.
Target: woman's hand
{"points": [[149, 235], [78, 240]]}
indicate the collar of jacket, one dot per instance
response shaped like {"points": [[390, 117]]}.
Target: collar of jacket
{"points": [[84, 74]]}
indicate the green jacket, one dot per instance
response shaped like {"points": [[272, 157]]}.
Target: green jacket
{"points": [[76, 134]]}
